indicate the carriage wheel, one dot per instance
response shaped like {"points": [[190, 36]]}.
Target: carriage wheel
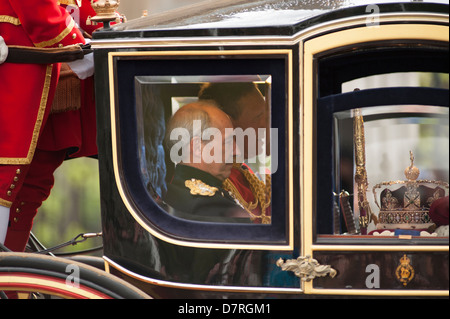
{"points": [[61, 278]]}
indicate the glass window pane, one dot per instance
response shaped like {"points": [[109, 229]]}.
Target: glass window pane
{"points": [[403, 157], [213, 165]]}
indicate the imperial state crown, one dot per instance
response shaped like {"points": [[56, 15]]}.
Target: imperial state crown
{"points": [[407, 206]]}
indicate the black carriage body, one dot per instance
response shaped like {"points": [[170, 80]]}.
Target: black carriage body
{"points": [[301, 55]]}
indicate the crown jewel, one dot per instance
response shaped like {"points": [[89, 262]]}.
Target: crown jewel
{"points": [[407, 207]]}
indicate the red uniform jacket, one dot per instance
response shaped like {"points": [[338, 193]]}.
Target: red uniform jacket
{"points": [[75, 130], [26, 90]]}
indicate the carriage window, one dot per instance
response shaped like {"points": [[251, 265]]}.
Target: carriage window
{"points": [[382, 130], [198, 143], [209, 138], [391, 171]]}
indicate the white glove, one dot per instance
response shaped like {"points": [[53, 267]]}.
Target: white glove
{"points": [[83, 68], [4, 219], [3, 50]]}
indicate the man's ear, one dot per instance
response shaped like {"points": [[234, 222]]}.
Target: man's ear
{"points": [[196, 147]]}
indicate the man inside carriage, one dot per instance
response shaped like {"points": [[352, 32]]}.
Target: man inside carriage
{"points": [[248, 110]]}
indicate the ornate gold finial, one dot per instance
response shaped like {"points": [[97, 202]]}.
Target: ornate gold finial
{"points": [[412, 172], [106, 11], [306, 268]]}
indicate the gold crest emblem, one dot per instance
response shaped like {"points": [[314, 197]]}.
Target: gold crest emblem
{"points": [[404, 272], [197, 187]]}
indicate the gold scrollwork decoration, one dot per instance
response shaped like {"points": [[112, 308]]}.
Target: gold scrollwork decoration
{"points": [[306, 268]]}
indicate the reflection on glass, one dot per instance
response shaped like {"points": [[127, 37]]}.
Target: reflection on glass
{"points": [[411, 79], [205, 145], [404, 172]]}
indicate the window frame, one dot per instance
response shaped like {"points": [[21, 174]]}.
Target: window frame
{"points": [[281, 235], [342, 42]]}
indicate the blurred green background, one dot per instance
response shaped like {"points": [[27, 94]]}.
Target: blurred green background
{"points": [[73, 206]]}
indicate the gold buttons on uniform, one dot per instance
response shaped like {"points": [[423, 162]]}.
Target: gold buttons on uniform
{"points": [[74, 36], [18, 211], [15, 179]]}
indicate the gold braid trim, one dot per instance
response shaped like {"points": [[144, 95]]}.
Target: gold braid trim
{"points": [[58, 38], [229, 187], [9, 19], [37, 125], [5, 203], [261, 191]]}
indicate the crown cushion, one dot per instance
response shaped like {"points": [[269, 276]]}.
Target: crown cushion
{"points": [[439, 211]]}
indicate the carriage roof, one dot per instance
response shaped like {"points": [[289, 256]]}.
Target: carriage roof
{"points": [[258, 17]]}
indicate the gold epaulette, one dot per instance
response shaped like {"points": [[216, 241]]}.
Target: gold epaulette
{"points": [[198, 187]]}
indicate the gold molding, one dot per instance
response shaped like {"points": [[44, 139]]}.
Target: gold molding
{"points": [[376, 292], [389, 248], [127, 202], [188, 286]]}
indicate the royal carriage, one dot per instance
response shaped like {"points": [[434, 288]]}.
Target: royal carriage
{"points": [[358, 131]]}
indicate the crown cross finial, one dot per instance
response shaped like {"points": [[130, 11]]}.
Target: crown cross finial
{"points": [[412, 172]]}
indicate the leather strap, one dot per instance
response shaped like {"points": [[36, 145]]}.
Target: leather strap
{"points": [[21, 54]]}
